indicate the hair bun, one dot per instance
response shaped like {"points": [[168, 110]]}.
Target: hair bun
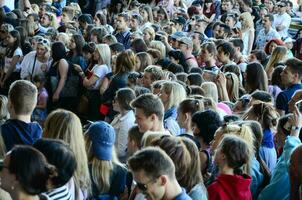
{"points": [[52, 171]]}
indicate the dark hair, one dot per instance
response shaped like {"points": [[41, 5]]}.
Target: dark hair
{"points": [[236, 151], [227, 48], [58, 51], [190, 105], [182, 77], [260, 55], [256, 77], [276, 76], [195, 79], [179, 55], [295, 66], [61, 156], [124, 96], [124, 15], [207, 122], [117, 47], [262, 96], [89, 47], [232, 68], [194, 90], [14, 34], [135, 135], [281, 122], [102, 18], [270, 17], [195, 70], [238, 42], [138, 45], [175, 68], [31, 169], [39, 78], [85, 18], [80, 42], [210, 47]]}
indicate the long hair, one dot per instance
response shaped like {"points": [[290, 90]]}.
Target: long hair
{"points": [[105, 53], [176, 92], [65, 125], [125, 62], [278, 55], [233, 89], [80, 42], [210, 90], [256, 78], [15, 34]]}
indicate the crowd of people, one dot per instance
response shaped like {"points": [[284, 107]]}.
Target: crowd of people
{"points": [[141, 99]]}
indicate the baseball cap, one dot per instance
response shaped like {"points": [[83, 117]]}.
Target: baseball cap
{"points": [[187, 41], [6, 28], [179, 20], [177, 35], [102, 136]]}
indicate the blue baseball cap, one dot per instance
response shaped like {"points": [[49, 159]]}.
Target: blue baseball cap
{"points": [[102, 136]]}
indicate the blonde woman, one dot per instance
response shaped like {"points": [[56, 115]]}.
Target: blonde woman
{"points": [[247, 32], [228, 85], [49, 20], [172, 94], [109, 177], [65, 125], [210, 90], [279, 55], [159, 46], [149, 35]]}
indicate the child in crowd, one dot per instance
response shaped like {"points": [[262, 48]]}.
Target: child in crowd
{"points": [[40, 112]]}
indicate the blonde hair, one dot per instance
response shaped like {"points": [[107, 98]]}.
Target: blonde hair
{"points": [[159, 46], [234, 90], [105, 53], [4, 114], [150, 31], [247, 21], [176, 92], [72, 10], [65, 125], [210, 90], [279, 53], [53, 20], [63, 37]]}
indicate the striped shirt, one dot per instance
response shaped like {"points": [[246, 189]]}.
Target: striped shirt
{"points": [[61, 193]]}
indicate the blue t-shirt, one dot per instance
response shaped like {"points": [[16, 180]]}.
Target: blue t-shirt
{"points": [[182, 196], [284, 97], [18, 132]]}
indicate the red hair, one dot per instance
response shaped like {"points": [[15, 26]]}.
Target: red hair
{"points": [[277, 41]]}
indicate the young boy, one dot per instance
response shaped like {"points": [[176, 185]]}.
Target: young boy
{"points": [[22, 99]]}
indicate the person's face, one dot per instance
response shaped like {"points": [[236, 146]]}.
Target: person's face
{"points": [[8, 179], [121, 23], [173, 60], [65, 18], [252, 58], [153, 187], [41, 51], [216, 140], [96, 55], [200, 26], [221, 56], [164, 96], [263, 13], [287, 77], [160, 17], [133, 23], [226, 6], [45, 21], [147, 36], [219, 157], [10, 40], [146, 80], [182, 119], [96, 21], [72, 44], [230, 22], [219, 32], [266, 22], [206, 56], [144, 14], [282, 8], [279, 139], [87, 55], [271, 47], [195, 39], [94, 38], [116, 106], [144, 123]]}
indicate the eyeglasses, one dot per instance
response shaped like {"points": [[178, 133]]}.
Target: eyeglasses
{"points": [[144, 186], [281, 6]]}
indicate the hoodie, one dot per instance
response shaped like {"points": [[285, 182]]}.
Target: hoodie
{"points": [[18, 132], [230, 187]]}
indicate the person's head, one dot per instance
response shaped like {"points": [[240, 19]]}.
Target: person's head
{"points": [[222, 31], [135, 21], [233, 152], [59, 155], [49, 20], [205, 123], [276, 76], [97, 34], [13, 39], [246, 20], [134, 140], [227, 5], [231, 20], [281, 7], [171, 94], [64, 38], [4, 30], [208, 51], [4, 115], [283, 130], [279, 55], [65, 125], [100, 19], [238, 44], [186, 109], [76, 43], [22, 98], [210, 90], [271, 45], [225, 52], [116, 48], [259, 95], [122, 100], [258, 56], [178, 57], [58, 51], [152, 73], [255, 77], [43, 48], [125, 61], [232, 69], [84, 20], [102, 54], [232, 85], [26, 169], [268, 21], [295, 165], [149, 34], [292, 72], [69, 12], [143, 60], [159, 46], [88, 50], [138, 45], [153, 170], [186, 45], [149, 111]]}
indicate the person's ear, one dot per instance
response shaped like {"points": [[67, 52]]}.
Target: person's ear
{"points": [[153, 117], [187, 117], [163, 180]]}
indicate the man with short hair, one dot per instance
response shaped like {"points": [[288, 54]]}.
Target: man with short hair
{"points": [[149, 113], [225, 53], [221, 31], [179, 23], [267, 33], [197, 39], [154, 174], [291, 79], [22, 99], [186, 46], [152, 73], [122, 32], [282, 20]]}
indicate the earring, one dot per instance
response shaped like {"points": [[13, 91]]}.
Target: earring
{"points": [[12, 187]]}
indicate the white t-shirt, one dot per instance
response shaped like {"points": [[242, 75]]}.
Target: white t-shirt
{"points": [[28, 63], [18, 52], [284, 20], [100, 71]]}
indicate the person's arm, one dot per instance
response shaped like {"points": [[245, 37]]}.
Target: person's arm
{"points": [[221, 86], [280, 103], [104, 85], [42, 101], [12, 67], [251, 41], [63, 70], [25, 71], [89, 82]]}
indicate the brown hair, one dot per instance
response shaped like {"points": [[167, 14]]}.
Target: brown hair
{"points": [[124, 96], [125, 62]]}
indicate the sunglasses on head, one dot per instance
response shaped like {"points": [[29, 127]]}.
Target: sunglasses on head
{"points": [[43, 41]]}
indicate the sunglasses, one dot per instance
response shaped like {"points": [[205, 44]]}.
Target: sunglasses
{"points": [[144, 186], [43, 41], [281, 6]]}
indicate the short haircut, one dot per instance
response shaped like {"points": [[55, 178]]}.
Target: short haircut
{"points": [[270, 17], [153, 161], [124, 15], [238, 42], [135, 135], [124, 96], [150, 104], [195, 79], [58, 153], [117, 47], [210, 47], [23, 97], [262, 96], [227, 48], [295, 66], [85, 18], [155, 71]]}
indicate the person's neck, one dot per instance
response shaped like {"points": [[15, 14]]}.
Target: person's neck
{"points": [[22, 196], [123, 112], [188, 128], [203, 146], [197, 48], [211, 62], [228, 61], [24, 118], [266, 29], [158, 126], [226, 170], [173, 189]]}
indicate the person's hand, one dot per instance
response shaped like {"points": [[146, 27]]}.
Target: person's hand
{"points": [[295, 121], [221, 80], [164, 39], [55, 97], [77, 68], [295, 98]]}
